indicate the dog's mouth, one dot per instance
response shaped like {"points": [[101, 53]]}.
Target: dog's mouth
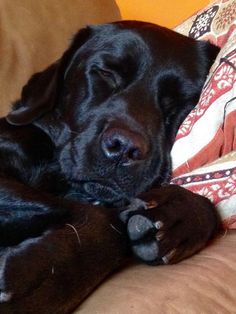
{"points": [[102, 192], [98, 192]]}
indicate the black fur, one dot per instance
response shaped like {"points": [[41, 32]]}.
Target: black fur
{"points": [[98, 126]]}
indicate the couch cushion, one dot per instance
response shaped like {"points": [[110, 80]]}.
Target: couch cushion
{"points": [[35, 33], [205, 283], [208, 132]]}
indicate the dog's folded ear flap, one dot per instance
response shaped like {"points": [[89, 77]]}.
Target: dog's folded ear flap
{"points": [[37, 97], [42, 91]]}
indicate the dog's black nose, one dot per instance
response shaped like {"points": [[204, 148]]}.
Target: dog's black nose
{"points": [[124, 145]]}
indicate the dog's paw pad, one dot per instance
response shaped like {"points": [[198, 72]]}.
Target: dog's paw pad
{"points": [[149, 241], [148, 252], [138, 227], [142, 233]]}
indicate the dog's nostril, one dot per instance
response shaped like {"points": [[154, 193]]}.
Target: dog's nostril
{"points": [[134, 154], [113, 146], [123, 145]]}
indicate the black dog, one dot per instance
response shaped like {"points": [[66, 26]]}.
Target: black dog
{"points": [[97, 127]]}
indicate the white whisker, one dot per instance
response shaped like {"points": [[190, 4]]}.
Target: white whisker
{"points": [[76, 232], [115, 229]]}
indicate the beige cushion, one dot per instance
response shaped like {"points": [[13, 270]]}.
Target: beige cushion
{"points": [[34, 33], [204, 283]]}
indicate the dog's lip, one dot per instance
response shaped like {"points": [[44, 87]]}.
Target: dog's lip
{"points": [[99, 191]]}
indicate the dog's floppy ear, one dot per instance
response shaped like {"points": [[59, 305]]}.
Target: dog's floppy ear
{"points": [[177, 93], [42, 91], [37, 97]]}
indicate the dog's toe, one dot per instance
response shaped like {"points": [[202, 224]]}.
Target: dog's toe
{"points": [[142, 234], [139, 226], [148, 251]]}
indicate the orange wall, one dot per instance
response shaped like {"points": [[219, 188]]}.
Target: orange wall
{"points": [[164, 12]]}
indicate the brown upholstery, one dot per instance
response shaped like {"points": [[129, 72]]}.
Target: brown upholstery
{"points": [[33, 34], [202, 284]]}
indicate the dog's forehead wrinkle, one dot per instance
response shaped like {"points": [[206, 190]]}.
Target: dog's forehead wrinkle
{"points": [[117, 44], [128, 46]]}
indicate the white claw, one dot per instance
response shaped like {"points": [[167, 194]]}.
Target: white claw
{"points": [[166, 259], [96, 203], [5, 296], [158, 224], [151, 204]]}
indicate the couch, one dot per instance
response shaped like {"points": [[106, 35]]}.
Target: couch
{"points": [[32, 35]]}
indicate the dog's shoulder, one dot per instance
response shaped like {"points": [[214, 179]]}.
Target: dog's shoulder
{"points": [[23, 148]]}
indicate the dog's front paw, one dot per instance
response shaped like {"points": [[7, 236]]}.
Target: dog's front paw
{"points": [[169, 224], [23, 268]]}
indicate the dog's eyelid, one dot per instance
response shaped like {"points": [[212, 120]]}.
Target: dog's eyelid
{"points": [[108, 75], [105, 72]]}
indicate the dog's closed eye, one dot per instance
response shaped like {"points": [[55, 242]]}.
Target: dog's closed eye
{"points": [[109, 77]]}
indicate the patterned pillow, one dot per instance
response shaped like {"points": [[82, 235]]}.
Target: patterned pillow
{"points": [[209, 131]]}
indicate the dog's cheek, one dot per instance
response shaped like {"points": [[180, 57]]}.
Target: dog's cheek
{"points": [[75, 159], [66, 161], [158, 167]]}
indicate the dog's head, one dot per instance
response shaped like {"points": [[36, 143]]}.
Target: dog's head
{"points": [[112, 105]]}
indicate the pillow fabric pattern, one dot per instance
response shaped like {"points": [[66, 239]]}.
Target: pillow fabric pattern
{"points": [[203, 155]]}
